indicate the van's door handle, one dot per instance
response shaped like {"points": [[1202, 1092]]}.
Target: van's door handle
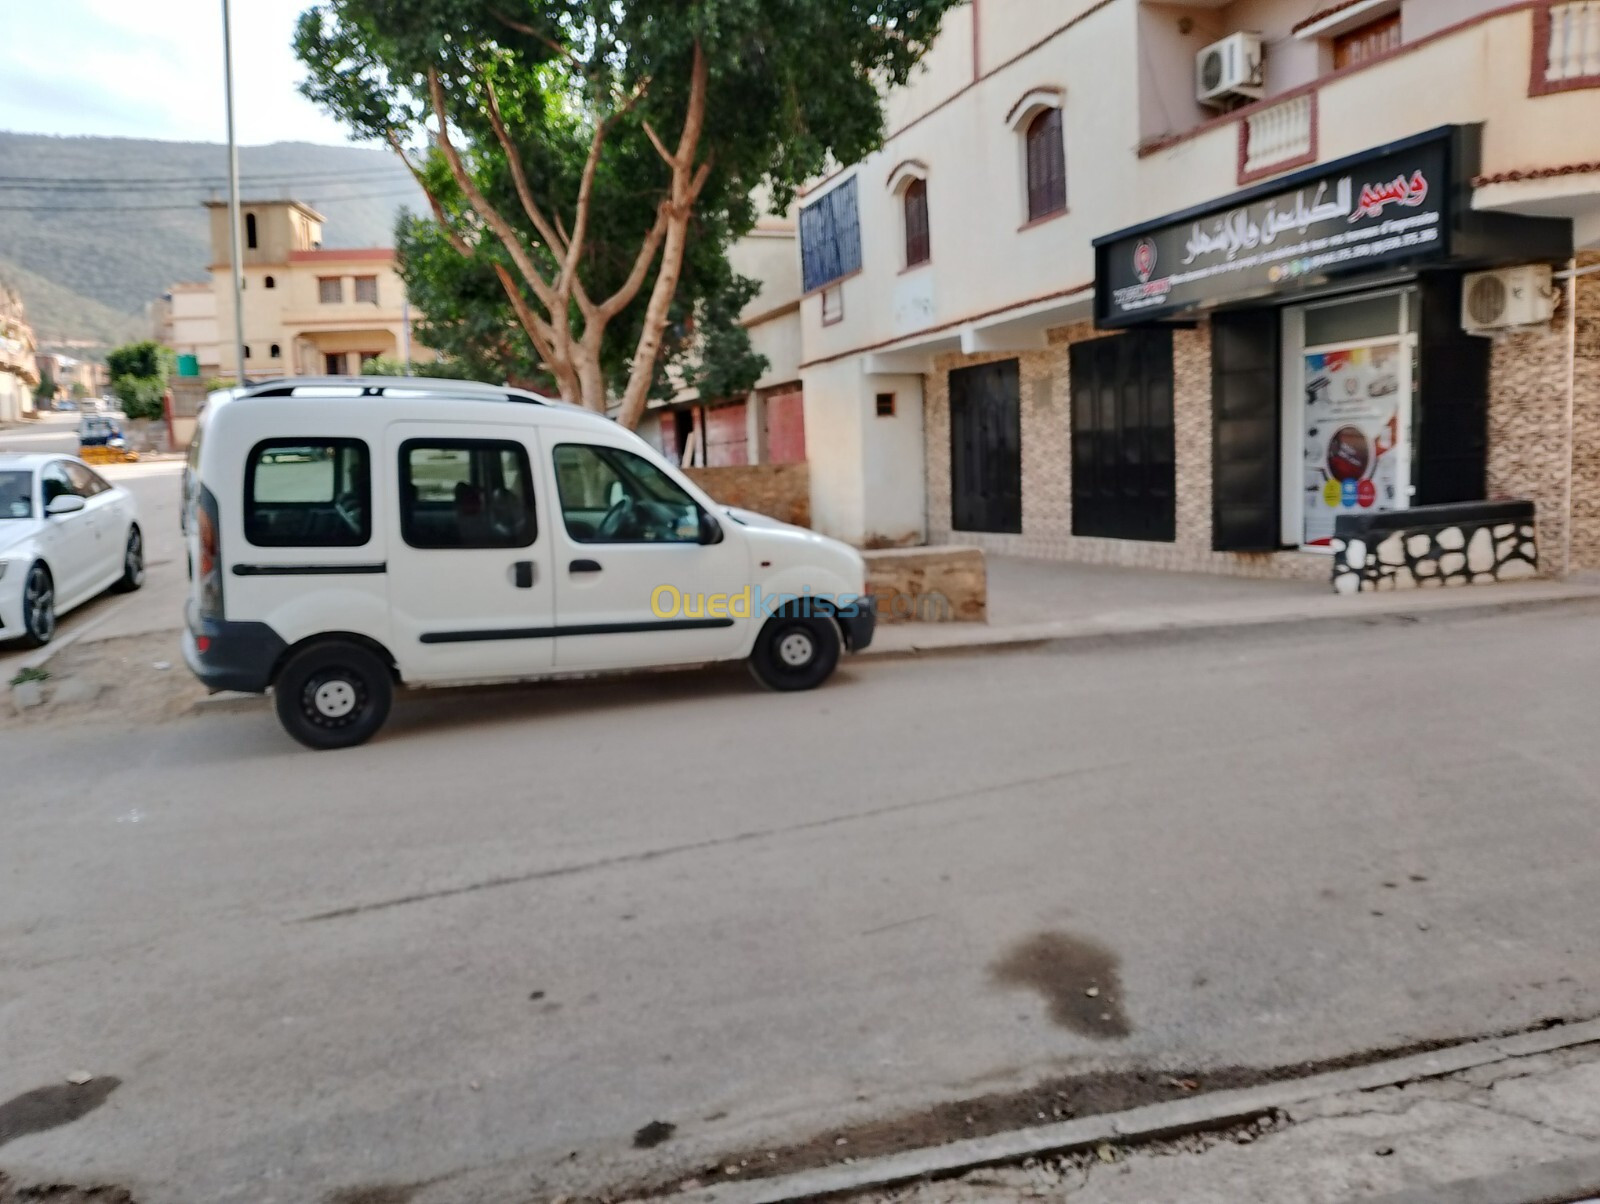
{"points": [[584, 566], [524, 574]]}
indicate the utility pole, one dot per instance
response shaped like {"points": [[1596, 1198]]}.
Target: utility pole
{"points": [[234, 220]]}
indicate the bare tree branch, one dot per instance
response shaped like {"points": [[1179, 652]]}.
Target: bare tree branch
{"points": [[492, 217], [655, 141], [518, 175], [623, 297]]}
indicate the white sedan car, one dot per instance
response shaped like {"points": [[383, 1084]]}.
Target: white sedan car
{"points": [[66, 535]]}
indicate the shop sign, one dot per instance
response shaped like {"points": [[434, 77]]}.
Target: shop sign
{"points": [[1364, 214]]}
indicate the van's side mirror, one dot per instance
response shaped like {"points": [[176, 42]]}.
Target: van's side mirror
{"points": [[64, 503], [710, 528]]}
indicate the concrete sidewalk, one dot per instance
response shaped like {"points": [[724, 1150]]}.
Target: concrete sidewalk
{"points": [[1032, 601]]}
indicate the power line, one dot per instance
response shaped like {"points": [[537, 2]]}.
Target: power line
{"points": [[184, 207]]}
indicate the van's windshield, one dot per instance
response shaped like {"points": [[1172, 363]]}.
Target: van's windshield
{"points": [[16, 493]]}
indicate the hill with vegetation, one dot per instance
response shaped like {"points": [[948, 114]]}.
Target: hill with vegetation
{"points": [[94, 229]]}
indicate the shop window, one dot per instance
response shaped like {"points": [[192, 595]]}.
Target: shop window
{"points": [[986, 448], [1363, 318], [1123, 449], [366, 290], [1367, 41], [330, 289], [915, 206], [1046, 165]]}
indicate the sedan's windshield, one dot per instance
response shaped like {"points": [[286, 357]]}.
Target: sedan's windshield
{"points": [[16, 493]]}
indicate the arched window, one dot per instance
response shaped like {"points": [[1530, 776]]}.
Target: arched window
{"points": [[250, 231], [276, 351], [247, 351], [915, 203], [271, 283], [1047, 165]]}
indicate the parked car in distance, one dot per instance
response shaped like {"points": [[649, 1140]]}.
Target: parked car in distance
{"points": [[66, 407], [66, 535], [348, 535], [96, 430]]}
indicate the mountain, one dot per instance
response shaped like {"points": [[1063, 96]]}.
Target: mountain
{"points": [[93, 229]]}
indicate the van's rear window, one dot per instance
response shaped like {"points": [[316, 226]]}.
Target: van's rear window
{"points": [[308, 493]]}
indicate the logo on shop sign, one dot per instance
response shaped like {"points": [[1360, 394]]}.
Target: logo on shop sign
{"points": [[1144, 260]]}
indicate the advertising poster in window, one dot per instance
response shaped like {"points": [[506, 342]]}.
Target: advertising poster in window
{"points": [[1353, 431]]}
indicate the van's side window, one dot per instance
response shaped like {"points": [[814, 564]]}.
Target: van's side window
{"points": [[466, 493], [613, 496], [308, 493]]}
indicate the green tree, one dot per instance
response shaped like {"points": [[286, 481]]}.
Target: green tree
{"points": [[139, 374], [595, 158], [79, 390], [382, 365], [46, 389]]}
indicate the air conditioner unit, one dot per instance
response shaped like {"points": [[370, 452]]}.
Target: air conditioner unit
{"points": [[1507, 297], [1229, 70]]}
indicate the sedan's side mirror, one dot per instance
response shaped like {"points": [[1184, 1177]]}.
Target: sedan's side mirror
{"points": [[64, 503], [710, 528]]}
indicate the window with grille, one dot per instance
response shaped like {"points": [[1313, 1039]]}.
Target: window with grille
{"points": [[367, 290], [330, 289], [1047, 165], [1368, 41], [916, 211]]}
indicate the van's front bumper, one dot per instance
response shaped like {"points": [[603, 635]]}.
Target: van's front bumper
{"points": [[859, 626], [231, 656]]}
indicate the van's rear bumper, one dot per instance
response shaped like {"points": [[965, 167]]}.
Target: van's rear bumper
{"points": [[859, 626], [231, 656]]}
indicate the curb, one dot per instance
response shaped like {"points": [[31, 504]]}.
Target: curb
{"points": [[42, 656], [1153, 1122], [1032, 638]]}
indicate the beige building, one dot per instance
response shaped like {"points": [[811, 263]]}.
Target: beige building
{"points": [[309, 310], [1189, 285], [19, 369], [186, 321]]}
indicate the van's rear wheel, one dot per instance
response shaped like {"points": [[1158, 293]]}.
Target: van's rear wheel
{"points": [[333, 695], [794, 653]]}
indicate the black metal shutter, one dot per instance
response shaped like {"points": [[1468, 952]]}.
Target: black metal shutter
{"points": [[986, 448], [1452, 399], [1123, 443], [1246, 449]]}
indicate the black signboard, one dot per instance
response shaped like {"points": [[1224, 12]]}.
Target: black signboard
{"points": [[1369, 211]]}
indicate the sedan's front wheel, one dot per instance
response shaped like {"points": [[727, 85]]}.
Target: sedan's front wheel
{"points": [[38, 607], [132, 563]]}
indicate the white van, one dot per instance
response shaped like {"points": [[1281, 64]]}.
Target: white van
{"points": [[349, 534]]}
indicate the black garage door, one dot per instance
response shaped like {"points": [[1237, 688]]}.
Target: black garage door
{"points": [[1122, 440], [986, 448]]}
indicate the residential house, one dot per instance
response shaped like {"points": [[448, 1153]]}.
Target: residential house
{"points": [[1177, 285], [19, 369]]}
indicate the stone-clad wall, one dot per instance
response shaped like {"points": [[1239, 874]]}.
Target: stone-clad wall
{"points": [[1462, 544], [1047, 467], [1586, 421], [780, 491]]}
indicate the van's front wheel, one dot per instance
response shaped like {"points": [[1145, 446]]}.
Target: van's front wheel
{"points": [[333, 695], [795, 653]]}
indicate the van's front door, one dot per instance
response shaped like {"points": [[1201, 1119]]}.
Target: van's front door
{"points": [[471, 592], [634, 583]]}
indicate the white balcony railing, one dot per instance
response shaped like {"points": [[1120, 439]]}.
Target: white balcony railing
{"points": [[1574, 51], [1282, 133]]}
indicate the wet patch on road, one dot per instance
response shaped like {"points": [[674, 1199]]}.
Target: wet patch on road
{"points": [[61, 1193], [1078, 977], [653, 1134], [46, 1108]]}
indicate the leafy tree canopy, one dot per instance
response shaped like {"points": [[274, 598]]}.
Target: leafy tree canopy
{"points": [[595, 158], [139, 374]]}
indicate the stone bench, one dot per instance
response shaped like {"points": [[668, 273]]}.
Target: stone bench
{"points": [[1464, 543], [928, 584]]}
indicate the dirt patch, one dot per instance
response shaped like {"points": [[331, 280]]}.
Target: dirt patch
{"points": [[1057, 1099], [378, 1193], [61, 1193], [114, 680], [1078, 977], [50, 1107]]}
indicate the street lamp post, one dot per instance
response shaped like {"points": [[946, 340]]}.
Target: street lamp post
{"points": [[234, 220]]}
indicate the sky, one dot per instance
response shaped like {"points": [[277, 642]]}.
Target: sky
{"points": [[153, 69]]}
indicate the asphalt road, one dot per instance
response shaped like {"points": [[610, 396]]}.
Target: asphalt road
{"points": [[483, 951], [155, 487]]}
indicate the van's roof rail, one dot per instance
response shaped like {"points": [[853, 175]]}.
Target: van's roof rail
{"points": [[377, 386]]}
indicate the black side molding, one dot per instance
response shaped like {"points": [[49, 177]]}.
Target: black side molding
{"points": [[308, 570], [545, 633]]}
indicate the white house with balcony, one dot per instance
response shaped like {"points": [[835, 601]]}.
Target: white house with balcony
{"points": [[1185, 285]]}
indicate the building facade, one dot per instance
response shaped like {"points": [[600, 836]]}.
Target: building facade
{"points": [[1180, 285], [309, 310], [19, 368]]}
